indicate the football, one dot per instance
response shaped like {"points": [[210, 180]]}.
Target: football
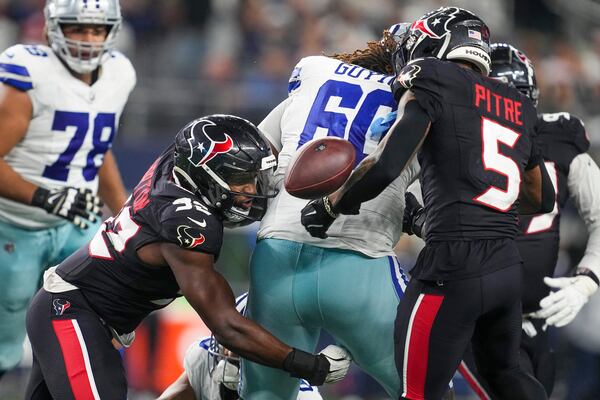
{"points": [[319, 168]]}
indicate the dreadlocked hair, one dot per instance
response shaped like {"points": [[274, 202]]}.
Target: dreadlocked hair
{"points": [[376, 57]]}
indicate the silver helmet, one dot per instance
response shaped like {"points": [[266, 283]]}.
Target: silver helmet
{"points": [[82, 57]]}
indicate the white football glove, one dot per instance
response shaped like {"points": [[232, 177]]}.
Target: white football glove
{"points": [[227, 373], [339, 362], [560, 307]]}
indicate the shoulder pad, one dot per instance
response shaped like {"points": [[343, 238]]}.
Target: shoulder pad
{"points": [[191, 225], [297, 73], [566, 126], [18, 64], [123, 67], [416, 70], [295, 81]]}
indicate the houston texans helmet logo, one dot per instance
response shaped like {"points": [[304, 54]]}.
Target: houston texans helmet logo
{"points": [[203, 147], [407, 75], [435, 24], [186, 239], [60, 306]]}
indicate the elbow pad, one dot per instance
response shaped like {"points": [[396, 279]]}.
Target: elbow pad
{"points": [[548, 193]]}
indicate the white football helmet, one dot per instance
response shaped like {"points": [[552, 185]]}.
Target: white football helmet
{"points": [[82, 57], [224, 365]]}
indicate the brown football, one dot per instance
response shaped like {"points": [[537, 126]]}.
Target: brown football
{"points": [[319, 168]]}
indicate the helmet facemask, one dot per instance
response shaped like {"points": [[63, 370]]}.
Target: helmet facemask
{"points": [[82, 57], [223, 365], [216, 154], [511, 66]]}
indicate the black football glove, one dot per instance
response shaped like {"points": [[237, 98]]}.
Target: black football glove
{"points": [[75, 205], [317, 216], [414, 216]]}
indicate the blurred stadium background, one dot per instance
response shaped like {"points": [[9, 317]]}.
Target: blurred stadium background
{"points": [[195, 57]]}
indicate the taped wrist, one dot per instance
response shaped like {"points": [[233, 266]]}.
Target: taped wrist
{"points": [[303, 365], [39, 197]]}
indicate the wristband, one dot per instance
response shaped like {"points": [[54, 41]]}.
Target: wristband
{"points": [[303, 365], [39, 197], [589, 273]]}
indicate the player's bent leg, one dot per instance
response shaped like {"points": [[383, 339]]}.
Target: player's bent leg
{"points": [[537, 358], [498, 335], [358, 297], [21, 253], [73, 349], [36, 388], [469, 372], [433, 327], [270, 303]]}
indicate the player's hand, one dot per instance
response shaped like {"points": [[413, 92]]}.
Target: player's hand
{"points": [[317, 216], [339, 362], [560, 307], [79, 206], [414, 216]]}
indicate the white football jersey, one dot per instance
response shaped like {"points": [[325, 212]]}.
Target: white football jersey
{"points": [[331, 98], [197, 370], [72, 127]]}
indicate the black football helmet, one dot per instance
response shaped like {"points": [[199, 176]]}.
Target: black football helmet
{"points": [[219, 150], [511, 66], [449, 33]]}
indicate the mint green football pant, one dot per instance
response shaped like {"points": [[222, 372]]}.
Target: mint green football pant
{"points": [[298, 289], [24, 256]]}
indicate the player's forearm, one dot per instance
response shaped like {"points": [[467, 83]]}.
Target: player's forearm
{"points": [[211, 296], [13, 186], [583, 183], [396, 151], [110, 185], [537, 192], [249, 340]]}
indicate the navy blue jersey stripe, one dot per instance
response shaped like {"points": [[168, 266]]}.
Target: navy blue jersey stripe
{"points": [[24, 86], [14, 69]]}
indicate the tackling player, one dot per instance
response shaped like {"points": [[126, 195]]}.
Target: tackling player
{"points": [[59, 111], [211, 372], [474, 138], [350, 283], [564, 144], [161, 245]]}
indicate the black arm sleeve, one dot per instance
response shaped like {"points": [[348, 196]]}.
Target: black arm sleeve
{"points": [[404, 137], [548, 194]]}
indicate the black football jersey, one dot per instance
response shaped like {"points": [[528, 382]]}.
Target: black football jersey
{"points": [[479, 144], [118, 285], [561, 137], [477, 149]]}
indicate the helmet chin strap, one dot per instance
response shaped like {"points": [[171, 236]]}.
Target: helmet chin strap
{"points": [[184, 175]]}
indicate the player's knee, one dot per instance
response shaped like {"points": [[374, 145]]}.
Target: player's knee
{"points": [[516, 384]]}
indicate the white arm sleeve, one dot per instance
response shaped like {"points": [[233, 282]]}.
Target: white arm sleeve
{"points": [[271, 125], [584, 186]]}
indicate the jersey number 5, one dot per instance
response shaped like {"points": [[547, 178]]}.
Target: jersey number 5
{"points": [[492, 134]]}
